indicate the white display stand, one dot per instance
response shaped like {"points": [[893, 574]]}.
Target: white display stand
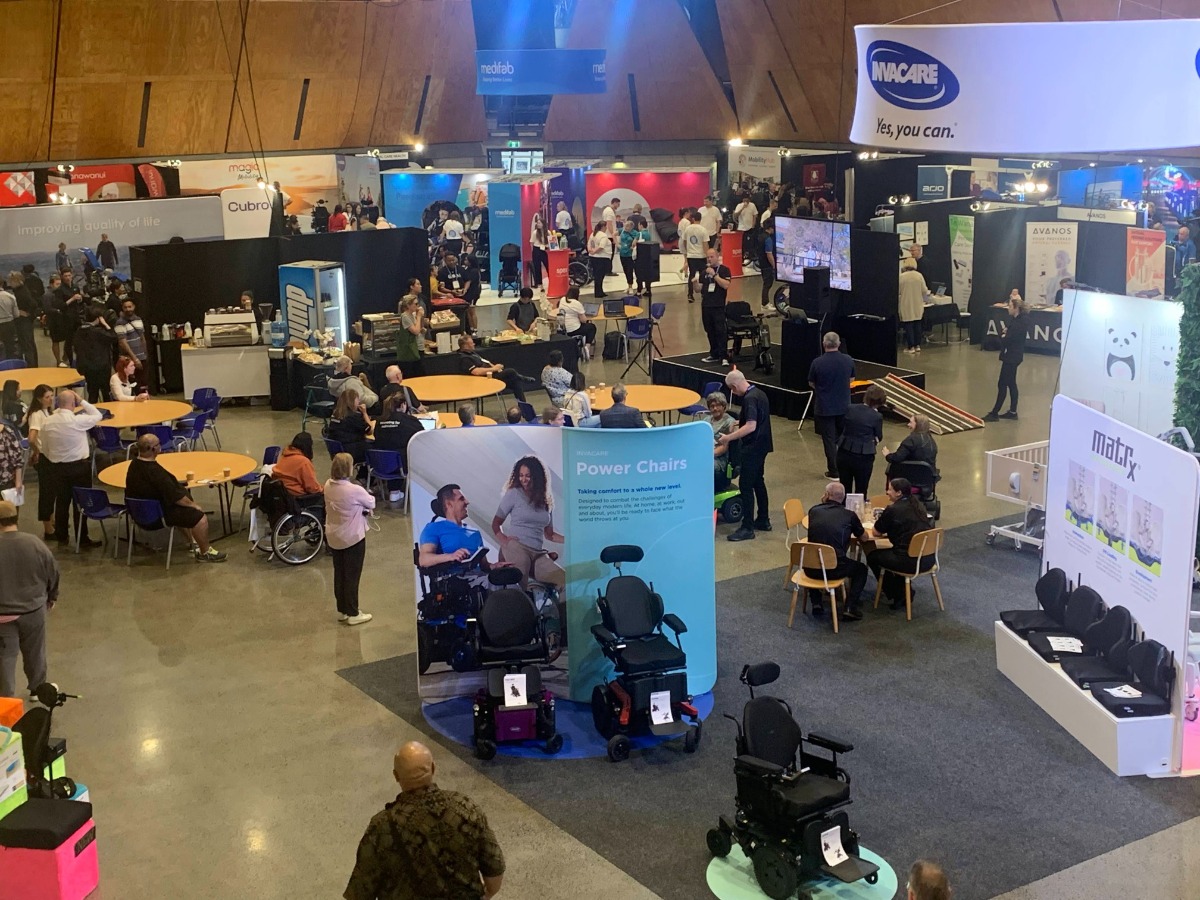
{"points": [[231, 371], [1134, 746]]}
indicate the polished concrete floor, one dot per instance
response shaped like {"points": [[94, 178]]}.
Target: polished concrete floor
{"points": [[226, 758]]}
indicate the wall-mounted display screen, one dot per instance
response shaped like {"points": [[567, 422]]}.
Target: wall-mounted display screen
{"points": [[812, 242]]}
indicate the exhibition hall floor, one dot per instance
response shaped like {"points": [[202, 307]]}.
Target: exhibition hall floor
{"points": [[227, 757]]}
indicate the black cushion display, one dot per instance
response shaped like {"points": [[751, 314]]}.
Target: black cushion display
{"points": [[1088, 670], [1040, 642], [809, 794], [650, 655], [43, 824], [1128, 707], [1051, 591], [1025, 621], [1153, 671]]}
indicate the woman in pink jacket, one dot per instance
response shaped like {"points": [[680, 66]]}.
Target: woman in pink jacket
{"points": [[347, 505]]}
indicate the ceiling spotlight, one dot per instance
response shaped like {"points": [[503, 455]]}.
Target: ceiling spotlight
{"points": [[1140, 161], [419, 148], [374, 151], [1029, 187], [262, 185], [736, 142], [893, 200], [1043, 187], [784, 152]]}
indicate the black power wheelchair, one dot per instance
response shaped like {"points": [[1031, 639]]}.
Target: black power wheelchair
{"points": [[512, 639], [923, 478], [446, 612], [786, 806], [650, 690]]}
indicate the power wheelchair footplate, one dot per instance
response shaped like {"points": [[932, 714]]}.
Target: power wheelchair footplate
{"points": [[852, 869]]}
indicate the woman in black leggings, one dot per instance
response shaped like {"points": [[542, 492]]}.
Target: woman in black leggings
{"points": [[1012, 352]]}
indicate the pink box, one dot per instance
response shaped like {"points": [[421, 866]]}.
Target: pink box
{"points": [[41, 871]]}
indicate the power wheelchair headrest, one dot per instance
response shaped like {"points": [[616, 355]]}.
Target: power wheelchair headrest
{"points": [[760, 674], [621, 553], [504, 576]]}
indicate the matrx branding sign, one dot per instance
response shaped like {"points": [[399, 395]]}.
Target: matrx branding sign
{"points": [[1116, 451]]}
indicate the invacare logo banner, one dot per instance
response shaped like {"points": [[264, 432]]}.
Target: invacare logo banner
{"points": [[971, 88]]}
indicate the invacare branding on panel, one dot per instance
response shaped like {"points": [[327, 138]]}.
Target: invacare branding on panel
{"points": [[909, 78]]}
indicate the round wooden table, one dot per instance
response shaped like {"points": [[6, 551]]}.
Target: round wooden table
{"points": [[452, 421], [631, 312], [648, 398], [452, 388], [207, 468], [144, 412], [54, 376]]}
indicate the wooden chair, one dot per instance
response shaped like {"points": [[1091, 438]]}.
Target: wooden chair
{"points": [[924, 544], [793, 520], [816, 556]]}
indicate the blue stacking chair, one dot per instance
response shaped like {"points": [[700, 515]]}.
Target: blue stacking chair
{"points": [[385, 466], [191, 430], [147, 515], [207, 401], [94, 504], [7, 365], [249, 482], [107, 440]]}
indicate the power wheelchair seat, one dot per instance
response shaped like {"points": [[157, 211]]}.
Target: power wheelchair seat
{"points": [[446, 612], [649, 692], [788, 799], [512, 640], [923, 478]]}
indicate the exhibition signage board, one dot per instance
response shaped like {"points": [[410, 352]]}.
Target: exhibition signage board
{"points": [[661, 194], [933, 183], [594, 488], [528, 72], [246, 212], [1119, 356], [1090, 214], [1121, 518], [760, 163], [504, 221], [406, 195], [941, 87], [1145, 262], [568, 185], [304, 179], [17, 189], [962, 256], [1049, 259]]}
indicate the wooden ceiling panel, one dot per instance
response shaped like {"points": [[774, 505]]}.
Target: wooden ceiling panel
{"points": [[678, 95], [24, 88]]}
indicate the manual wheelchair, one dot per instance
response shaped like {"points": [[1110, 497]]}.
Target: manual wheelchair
{"points": [[649, 692], [787, 807], [296, 533], [511, 639]]}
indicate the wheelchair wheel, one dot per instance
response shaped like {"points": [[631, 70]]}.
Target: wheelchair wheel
{"points": [[602, 716], [731, 510], [485, 749], [579, 273], [872, 878], [554, 744], [691, 740], [423, 654], [462, 657], [775, 872], [618, 748], [719, 843], [298, 539]]}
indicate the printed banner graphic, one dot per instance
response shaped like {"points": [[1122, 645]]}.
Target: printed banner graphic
{"points": [[940, 87], [548, 501], [17, 189], [246, 213], [761, 164], [661, 195], [1118, 356], [1145, 262], [962, 257], [1049, 259], [303, 179], [106, 182], [526, 72], [933, 182]]}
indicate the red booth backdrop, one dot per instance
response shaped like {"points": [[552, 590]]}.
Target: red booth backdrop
{"points": [[662, 195]]}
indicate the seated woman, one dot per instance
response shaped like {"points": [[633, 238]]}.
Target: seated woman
{"points": [[722, 423], [578, 405], [904, 518], [295, 471], [396, 426], [919, 446], [12, 410], [122, 386], [555, 379], [349, 425], [523, 522]]}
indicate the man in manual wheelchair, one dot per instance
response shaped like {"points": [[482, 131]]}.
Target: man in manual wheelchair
{"points": [[790, 821]]}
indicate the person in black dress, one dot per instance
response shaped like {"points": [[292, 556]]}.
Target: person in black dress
{"points": [[862, 430], [898, 523], [349, 425], [1012, 353]]}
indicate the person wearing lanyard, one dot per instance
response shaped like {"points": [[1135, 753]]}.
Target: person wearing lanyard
{"points": [[714, 288], [754, 431], [452, 233], [600, 256], [63, 441], [451, 277]]}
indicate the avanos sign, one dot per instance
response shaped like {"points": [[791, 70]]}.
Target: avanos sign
{"points": [[910, 78]]}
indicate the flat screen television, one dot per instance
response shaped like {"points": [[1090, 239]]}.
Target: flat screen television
{"points": [[812, 242]]}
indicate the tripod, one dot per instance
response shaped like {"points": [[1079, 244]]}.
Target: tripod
{"points": [[649, 347]]}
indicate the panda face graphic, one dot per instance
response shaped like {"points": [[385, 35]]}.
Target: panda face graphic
{"points": [[1122, 353]]}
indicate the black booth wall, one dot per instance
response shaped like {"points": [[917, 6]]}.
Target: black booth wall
{"points": [[179, 282], [874, 274], [937, 214], [877, 179]]}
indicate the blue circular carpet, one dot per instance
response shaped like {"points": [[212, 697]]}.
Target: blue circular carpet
{"points": [[453, 719], [732, 878]]}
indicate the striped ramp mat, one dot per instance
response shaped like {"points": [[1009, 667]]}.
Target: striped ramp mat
{"points": [[907, 400]]}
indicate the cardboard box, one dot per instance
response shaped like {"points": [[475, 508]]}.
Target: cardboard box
{"points": [[12, 772]]}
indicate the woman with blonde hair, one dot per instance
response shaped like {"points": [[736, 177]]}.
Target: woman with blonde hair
{"points": [[411, 338], [347, 506], [1012, 354], [917, 446], [349, 425], [913, 294]]}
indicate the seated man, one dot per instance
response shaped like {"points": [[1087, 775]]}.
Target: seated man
{"points": [[148, 480], [466, 415], [447, 539], [829, 522], [342, 380], [927, 881], [513, 415], [619, 415], [473, 364], [395, 385]]}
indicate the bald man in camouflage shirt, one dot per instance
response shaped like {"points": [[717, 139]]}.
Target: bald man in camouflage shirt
{"points": [[427, 844]]}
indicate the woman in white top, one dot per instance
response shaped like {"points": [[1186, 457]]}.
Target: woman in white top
{"points": [[347, 505], [452, 233], [575, 318], [524, 521], [43, 406], [913, 294], [121, 385], [539, 241], [600, 251]]}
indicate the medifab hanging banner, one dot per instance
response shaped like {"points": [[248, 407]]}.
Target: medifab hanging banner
{"points": [[961, 88]]}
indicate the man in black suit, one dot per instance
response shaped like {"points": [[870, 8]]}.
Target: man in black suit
{"points": [[829, 522], [619, 415]]}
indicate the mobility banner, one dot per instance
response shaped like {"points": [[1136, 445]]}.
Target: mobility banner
{"points": [[760, 163], [1145, 262], [569, 186], [1049, 259], [939, 87], [17, 189], [303, 179], [504, 223], [1118, 356], [407, 195], [549, 500], [962, 257], [933, 183], [105, 182], [527, 72]]}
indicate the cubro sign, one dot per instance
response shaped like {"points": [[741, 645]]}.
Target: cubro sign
{"points": [[245, 212]]}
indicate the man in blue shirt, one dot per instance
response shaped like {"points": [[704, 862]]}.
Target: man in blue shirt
{"points": [[766, 262], [1185, 250], [447, 539], [829, 377]]}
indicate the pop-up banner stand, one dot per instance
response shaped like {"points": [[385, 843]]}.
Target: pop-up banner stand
{"points": [[1120, 518], [965, 88]]}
